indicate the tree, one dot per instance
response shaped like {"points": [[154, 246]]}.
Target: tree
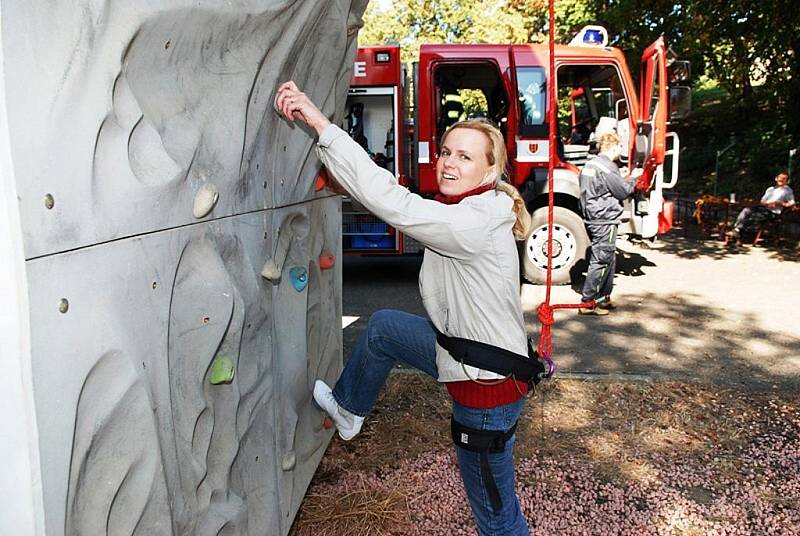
{"points": [[751, 48], [411, 23]]}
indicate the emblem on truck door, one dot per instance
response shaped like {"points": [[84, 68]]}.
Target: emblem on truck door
{"points": [[528, 151]]}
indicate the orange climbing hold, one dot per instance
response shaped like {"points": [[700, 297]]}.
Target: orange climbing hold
{"points": [[321, 181], [326, 260], [327, 423]]}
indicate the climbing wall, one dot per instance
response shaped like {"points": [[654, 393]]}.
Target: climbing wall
{"points": [[179, 256]]}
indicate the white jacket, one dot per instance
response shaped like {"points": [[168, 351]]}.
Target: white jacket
{"points": [[469, 279]]}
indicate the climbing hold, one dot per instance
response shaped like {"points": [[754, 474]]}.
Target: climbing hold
{"points": [[289, 461], [271, 271], [327, 423], [321, 180], [222, 370], [204, 200], [326, 260], [299, 277], [286, 233]]}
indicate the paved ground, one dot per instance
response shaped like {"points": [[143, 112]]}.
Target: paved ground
{"points": [[689, 310]]}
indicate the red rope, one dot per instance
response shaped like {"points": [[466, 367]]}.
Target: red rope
{"points": [[545, 310], [545, 313], [551, 118]]}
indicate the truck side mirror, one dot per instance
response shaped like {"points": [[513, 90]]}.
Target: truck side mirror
{"points": [[680, 102], [679, 73]]}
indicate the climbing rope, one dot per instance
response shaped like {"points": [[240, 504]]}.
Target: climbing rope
{"points": [[545, 309]]}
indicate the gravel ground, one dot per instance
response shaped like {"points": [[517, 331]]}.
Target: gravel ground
{"points": [[599, 458], [677, 414]]}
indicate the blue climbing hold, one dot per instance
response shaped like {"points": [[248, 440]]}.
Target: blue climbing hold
{"points": [[299, 276]]}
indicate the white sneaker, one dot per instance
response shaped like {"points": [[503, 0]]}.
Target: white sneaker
{"points": [[347, 424]]}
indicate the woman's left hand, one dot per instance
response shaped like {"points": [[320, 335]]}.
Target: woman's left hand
{"points": [[295, 105]]}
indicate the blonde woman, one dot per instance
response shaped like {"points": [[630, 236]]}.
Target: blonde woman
{"points": [[474, 341]]}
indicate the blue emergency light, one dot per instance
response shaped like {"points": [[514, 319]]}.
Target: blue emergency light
{"points": [[592, 37]]}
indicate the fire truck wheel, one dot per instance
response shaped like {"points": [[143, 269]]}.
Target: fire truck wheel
{"points": [[570, 244]]}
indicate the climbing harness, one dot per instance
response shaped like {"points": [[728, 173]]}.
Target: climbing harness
{"points": [[529, 369], [483, 442]]}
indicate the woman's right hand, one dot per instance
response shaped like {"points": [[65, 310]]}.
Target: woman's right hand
{"points": [[295, 105]]}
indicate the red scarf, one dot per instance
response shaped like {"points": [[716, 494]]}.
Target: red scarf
{"points": [[455, 199]]}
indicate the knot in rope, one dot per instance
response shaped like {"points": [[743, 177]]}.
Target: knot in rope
{"points": [[545, 312]]}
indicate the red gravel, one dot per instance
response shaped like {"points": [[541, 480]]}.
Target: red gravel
{"points": [[741, 477]]}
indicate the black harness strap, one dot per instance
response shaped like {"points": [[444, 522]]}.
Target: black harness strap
{"points": [[494, 359], [483, 442]]}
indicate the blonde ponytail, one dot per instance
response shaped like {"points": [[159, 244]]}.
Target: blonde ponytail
{"points": [[523, 224]]}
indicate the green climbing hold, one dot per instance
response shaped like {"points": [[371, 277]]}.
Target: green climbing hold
{"points": [[222, 370]]}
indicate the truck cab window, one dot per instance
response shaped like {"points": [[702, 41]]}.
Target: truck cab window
{"points": [[468, 90], [590, 101], [654, 91], [532, 96]]}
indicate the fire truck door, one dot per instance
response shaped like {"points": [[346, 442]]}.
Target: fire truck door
{"points": [[649, 149], [651, 131]]}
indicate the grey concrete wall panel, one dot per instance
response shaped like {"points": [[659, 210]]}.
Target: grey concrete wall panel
{"points": [[179, 283], [307, 343], [125, 113], [121, 374]]}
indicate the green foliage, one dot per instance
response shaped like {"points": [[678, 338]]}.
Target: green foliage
{"points": [[761, 143], [474, 102], [413, 22], [745, 59]]}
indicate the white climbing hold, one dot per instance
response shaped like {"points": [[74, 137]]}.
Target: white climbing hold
{"points": [[204, 200], [289, 461], [271, 271]]}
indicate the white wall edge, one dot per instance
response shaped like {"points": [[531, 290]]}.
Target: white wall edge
{"points": [[22, 509]]}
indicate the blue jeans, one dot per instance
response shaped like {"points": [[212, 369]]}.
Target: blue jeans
{"points": [[394, 337]]}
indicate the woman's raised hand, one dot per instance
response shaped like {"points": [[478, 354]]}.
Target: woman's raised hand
{"points": [[295, 105]]}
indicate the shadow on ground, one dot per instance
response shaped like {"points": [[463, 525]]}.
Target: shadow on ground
{"points": [[687, 242], [676, 338]]}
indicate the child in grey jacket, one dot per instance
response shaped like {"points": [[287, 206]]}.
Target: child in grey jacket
{"points": [[603, 190]]}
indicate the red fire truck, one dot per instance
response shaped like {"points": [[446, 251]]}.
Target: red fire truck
{"points": [[508, 84]]}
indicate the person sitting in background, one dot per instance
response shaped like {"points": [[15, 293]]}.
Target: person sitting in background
{"points": [[774, 200]]}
